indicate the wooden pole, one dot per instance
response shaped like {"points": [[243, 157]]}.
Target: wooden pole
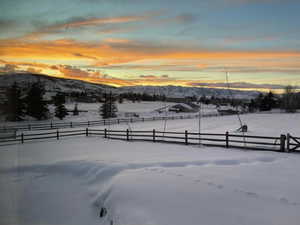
{"points": [[288, 139], [105, 133], [57, 135], [282, 142], [227, 139], [22, 138], [153, 135], [186, 137], [127, 135], [86, 132]]}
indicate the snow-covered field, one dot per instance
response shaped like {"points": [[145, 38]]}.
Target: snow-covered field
{"points": [[90, 111], [67, 182]]}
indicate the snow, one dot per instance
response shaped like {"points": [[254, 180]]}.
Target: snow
{"points": [[68, 181], [258, 124]]}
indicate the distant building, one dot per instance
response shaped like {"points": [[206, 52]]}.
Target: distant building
{"points": [[182, 107], [227, 110]]}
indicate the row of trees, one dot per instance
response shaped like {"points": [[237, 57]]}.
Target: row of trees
{"points": [[288, 101], [21, 103]]}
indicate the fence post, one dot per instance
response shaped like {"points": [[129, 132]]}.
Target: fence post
{"points": [[29, 127], [288, 139], [143, 119], [22, 138], [51, 125], [88, 123], [227, 139], [153, 135], [71, 125], [127, 135], [57, 135], [282, 142], [86, 131], [105, 133], [186, 137], [118, 121], [130, 120]]}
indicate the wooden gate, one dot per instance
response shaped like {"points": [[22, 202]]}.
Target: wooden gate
{"points": [[293, 143]]}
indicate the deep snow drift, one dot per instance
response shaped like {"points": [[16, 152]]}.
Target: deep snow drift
{"points": [[69, 181]]}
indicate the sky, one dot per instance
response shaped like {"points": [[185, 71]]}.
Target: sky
{"points": [[157, 42]]}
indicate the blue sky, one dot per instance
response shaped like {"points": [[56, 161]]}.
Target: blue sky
{"points": [[137, 42]]}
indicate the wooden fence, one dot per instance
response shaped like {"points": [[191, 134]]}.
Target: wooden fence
{"points": [[280, 143], [61, 125]]}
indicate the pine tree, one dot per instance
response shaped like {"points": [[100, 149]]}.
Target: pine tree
{"points": [[75, 111], [60, 109], [36, 105], [14, 107], [108, 109]]}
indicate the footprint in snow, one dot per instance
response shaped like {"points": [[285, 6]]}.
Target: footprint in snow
{"points": [[220, 186]]}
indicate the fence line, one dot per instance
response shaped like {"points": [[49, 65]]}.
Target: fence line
{"points": [[72, 124], [282, 143]]}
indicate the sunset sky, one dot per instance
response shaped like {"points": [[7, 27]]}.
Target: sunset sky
{"points": [[155, 42]]}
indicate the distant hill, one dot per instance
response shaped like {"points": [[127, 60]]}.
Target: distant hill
{"points": [[179, 91], [54, 84]]}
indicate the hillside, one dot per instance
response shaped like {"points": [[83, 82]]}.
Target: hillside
{"points": [[54, 84], [179, 91]]}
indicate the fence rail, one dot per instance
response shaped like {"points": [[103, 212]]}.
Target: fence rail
{"points": [[282, 143], [72, 124]]}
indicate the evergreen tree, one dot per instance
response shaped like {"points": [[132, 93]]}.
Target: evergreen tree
{"points": [[14, 107], [120, 99], [60, 109], [108, 109], [36, 105], [75, 111]]}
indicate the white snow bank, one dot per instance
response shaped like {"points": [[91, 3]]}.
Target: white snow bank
{"points": [[69, 181]]}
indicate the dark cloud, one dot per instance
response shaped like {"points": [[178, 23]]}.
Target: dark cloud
{"points": [[7, 24]]}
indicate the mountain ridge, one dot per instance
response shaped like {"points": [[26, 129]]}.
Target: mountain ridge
{"points": [[56, 84]]}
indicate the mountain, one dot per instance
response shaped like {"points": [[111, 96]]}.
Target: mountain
{"points": [[54, 84], [179, 91]]}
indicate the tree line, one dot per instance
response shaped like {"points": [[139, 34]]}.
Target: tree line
{"points": [[20, 103]]}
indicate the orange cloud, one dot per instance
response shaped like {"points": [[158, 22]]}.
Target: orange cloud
{"points": [[107, 53]]}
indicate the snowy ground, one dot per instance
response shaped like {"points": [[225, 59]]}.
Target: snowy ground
{"points": [[143, 109], [258, 124], [69, 181]]}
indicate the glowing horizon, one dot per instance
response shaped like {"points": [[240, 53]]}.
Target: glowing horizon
{"points": [[125, 43]]}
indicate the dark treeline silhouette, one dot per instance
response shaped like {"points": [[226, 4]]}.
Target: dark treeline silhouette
{"points": [[19, 103], [22, 102]]}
